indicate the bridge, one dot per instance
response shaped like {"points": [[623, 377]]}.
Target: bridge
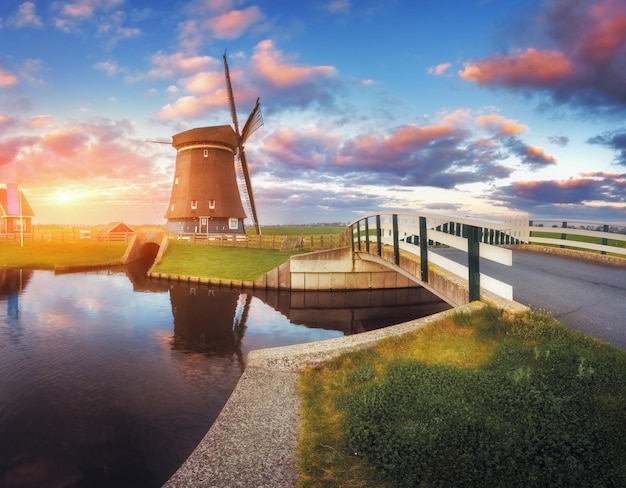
{"points": [[508, 262]]}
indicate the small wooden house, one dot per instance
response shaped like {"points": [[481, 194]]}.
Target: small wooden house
{"points": [[11, 222], [114, 231]]}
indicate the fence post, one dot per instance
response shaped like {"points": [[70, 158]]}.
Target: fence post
{"points": [[396, 240], [379, 237], [564, 236], [358, 234], [473, 262], [423, 250], [605, 241], [367, 235]]}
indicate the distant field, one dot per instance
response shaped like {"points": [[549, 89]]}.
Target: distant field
{"points": [[48, 255]]}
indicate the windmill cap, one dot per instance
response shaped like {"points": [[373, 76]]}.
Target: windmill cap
{"points": [[221, 135]]}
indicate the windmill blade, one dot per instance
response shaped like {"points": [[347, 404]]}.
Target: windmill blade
{"points": [[255, 120], [248, 189], [231, 98]]}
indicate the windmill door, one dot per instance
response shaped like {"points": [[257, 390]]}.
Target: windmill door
{"points": [[204, 225]]}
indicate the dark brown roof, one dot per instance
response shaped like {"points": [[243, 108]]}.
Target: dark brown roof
{"points": [[219, 134]]}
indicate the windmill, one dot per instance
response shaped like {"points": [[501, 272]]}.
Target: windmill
{"points": [[212, 180]]}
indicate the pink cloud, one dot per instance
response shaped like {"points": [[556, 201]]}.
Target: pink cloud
{"points": [[582, 64], [233, 24], [176, 64], [205, 82], [529, 68], [500, 124], [26, 16], [270, 65], [7, 78], [540, 154], [439, 69]]}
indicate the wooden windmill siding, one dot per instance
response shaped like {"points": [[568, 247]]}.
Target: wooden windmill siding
{"points": [[205, 195]]}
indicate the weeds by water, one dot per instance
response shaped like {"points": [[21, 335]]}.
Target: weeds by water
{"points": [[474, 400]]}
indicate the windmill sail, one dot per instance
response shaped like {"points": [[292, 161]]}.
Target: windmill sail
{"points": [[255, 120]]}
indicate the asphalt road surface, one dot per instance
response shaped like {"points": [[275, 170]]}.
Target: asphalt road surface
{"points": [[583, 295]]}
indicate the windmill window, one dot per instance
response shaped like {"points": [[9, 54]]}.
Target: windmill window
{"points": [[194, 204], [206, 153], [233, 224], [176, 180], [172, 208], [211, 204]]}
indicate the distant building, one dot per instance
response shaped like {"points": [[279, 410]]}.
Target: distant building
{"points": [[10, 221], [114, 231]]}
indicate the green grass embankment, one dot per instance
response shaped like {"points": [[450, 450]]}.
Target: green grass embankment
{"points": [[49, 255], [229, 263], [473, 400]]}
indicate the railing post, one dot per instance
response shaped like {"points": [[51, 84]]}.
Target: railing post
{"points": [[352, 238], [358, 234], [473, 262], [423, 250], [379, 236], [367, 235], [396, 240], [564, 236], [605, 241]]}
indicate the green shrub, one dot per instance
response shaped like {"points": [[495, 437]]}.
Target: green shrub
{"points": [[549, 413]]}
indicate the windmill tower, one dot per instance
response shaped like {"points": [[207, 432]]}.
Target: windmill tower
{"points": [[211, 167]]}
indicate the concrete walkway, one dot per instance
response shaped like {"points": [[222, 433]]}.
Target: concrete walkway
{"points": [[254, 441]]}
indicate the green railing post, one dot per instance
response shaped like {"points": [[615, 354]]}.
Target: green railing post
{"points": [[358, 234], [563, 236], [605, 241], [396, 240], [367, 235], [473, 262], [423, 239], [379, 236], [352, 238]]}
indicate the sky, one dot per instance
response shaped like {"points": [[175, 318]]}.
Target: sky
{"points": [[486, 108]]}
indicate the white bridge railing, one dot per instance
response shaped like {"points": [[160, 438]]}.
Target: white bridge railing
{"points": [[416, 233], [606, 238]]}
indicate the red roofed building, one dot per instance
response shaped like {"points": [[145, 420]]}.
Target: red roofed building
{"points": [[11, 221]]}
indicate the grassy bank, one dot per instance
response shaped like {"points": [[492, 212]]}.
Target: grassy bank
{"points": [[48, 255], [474, 400], [203, 261]]}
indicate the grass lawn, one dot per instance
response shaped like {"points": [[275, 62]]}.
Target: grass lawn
{"points": [[47, 255], [473, 400], [205, 261]]}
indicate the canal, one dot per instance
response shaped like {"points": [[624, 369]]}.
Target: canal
{"points": [[110, 379]]}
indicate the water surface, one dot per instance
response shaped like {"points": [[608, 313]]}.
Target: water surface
{"points": [[108, 379]]}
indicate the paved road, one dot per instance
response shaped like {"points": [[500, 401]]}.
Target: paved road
{"points": [[585, 296]]}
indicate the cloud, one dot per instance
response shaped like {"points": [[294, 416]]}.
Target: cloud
{"points": [[581, 65], [501, 125], [439, 69], [7, 79], [527, 69], [616, 141], [179, 64], [559, 140], [233, 24], [26, 16], [339, 6], [288, 83], [531, 156], [439, 155], [604, 191]]}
